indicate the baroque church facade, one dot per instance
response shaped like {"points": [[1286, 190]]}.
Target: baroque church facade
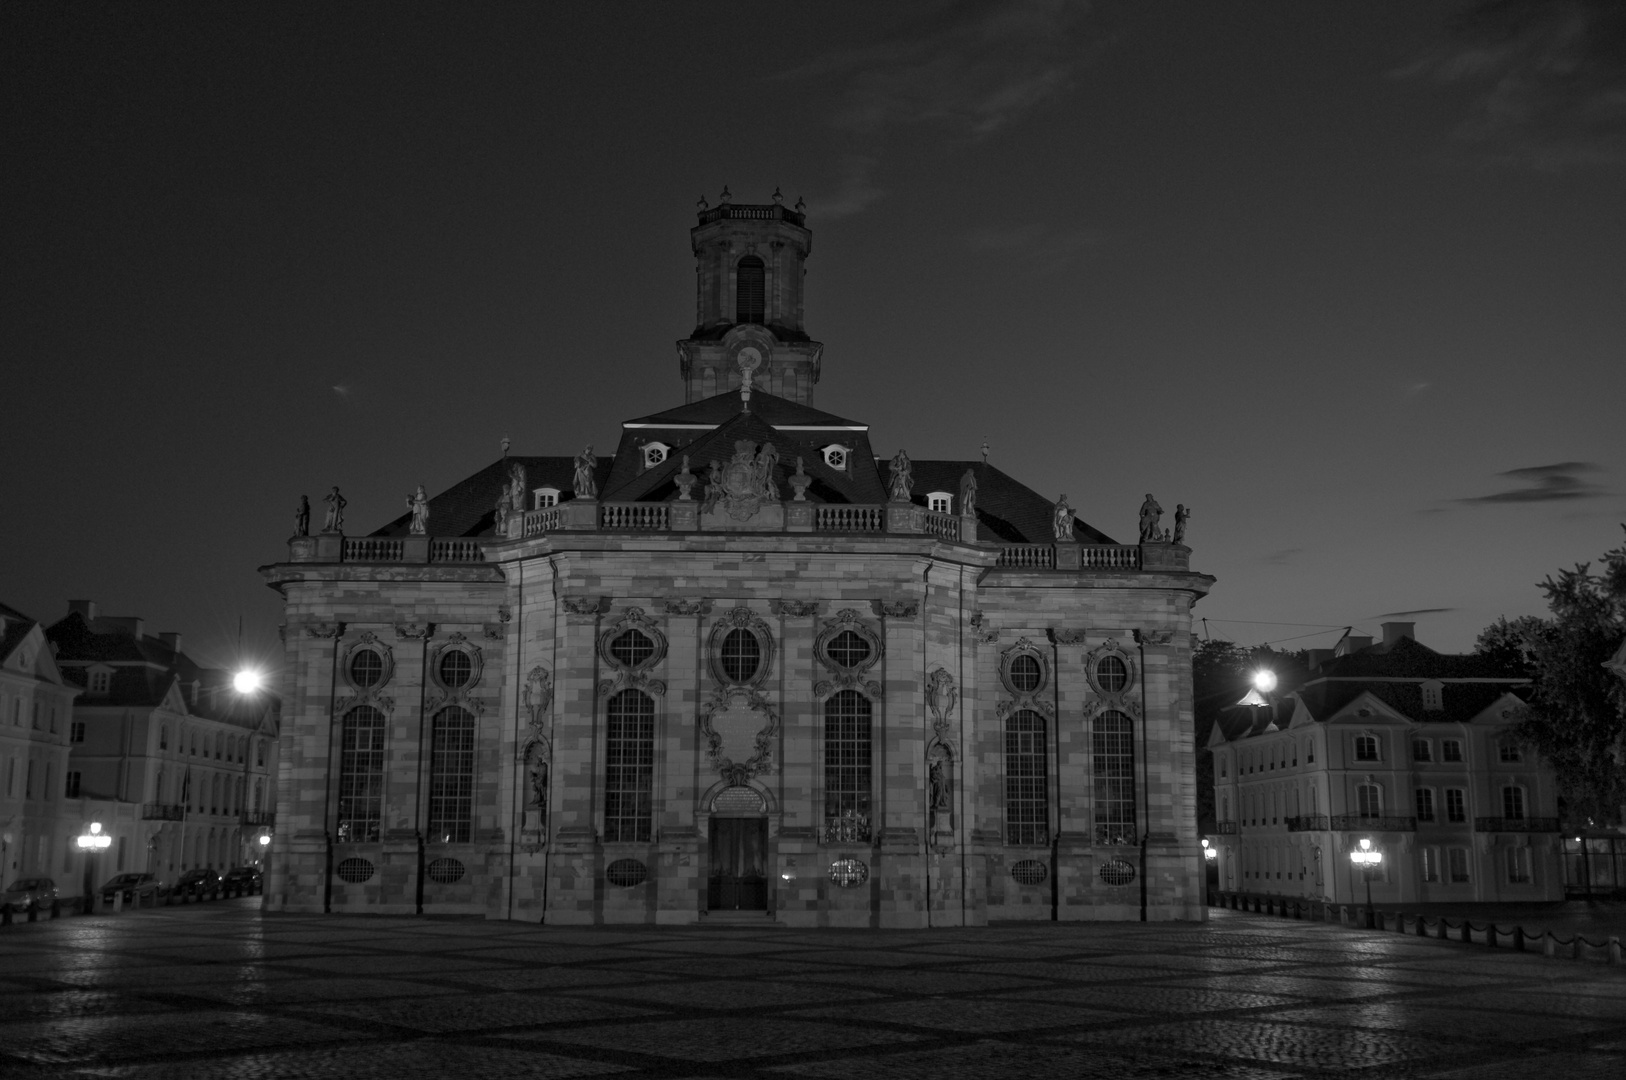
{"points": [[741, 669]]}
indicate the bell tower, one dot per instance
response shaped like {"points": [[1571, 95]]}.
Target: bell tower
{"points": [[749, 265]]}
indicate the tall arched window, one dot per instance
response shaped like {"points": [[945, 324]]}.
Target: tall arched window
{"points": [[629, 767], [748, 290], [1027, 799], [1113, 744], [361, 775], [847, 767], [451, 777]]}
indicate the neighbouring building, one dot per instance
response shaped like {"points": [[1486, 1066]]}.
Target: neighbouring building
{"points": [[1401, 745], [740, 668], [36, 704], [179, 767]]}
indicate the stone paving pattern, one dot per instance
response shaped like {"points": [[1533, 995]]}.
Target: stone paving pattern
{"points": [[224, 991]]}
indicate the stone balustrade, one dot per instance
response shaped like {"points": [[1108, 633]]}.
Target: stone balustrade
{"points": [[1028, 556], [849, 517]]}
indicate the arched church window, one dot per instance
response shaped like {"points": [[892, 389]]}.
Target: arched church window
{"points": [[1027, 801], [1114, 752], [361, 775], [451, 777], [847, 767], [748, 290], [629, 768]]}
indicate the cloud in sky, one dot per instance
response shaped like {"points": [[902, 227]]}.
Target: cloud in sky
{"points": [[1283, 557], [1544, 483], [1414, 611], [1045, 246], [1548, 79]]}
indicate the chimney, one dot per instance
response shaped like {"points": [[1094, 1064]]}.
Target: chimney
{"points": [[1394, 631], [87, 608], [130, 625], [172, 641], [1317, 657], [1350, 643]]}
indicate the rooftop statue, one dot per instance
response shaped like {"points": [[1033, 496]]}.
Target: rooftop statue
{"points": [[302, 516], [584, 485], [1182, 514], [1062, 524], [335, 511], [1150, 514], [418, 503], [505, 502], [903, 478], [968, 494], [516, 487]]}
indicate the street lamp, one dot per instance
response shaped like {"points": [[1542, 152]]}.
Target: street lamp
{"points": [[246, 681], [1368, 860], [1264, 680], [92, 842], [1209, 853]]}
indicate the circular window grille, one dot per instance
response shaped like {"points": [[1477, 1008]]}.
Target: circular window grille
{"points": [[455, 668], [849, 873], [1026, 673], [848, 650], [1117, 872], [1112, 674], [1029, 872], [366, 668], [626, 873], [741, 655], [355, 871], [632, 648], [445, 871]]}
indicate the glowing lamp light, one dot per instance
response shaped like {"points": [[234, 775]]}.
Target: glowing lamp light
{"points": [[1264, 680], [246, 681], [265, 841], [1364, 857], [95, 839], [1208, 850]]}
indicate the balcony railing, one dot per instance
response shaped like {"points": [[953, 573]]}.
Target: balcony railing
{"points": [[1110, 556], [1028, 556], [162, 812], [849, 517], [545, 520], [456, 551], [1225, 828], [1518, 825], [939, 524], [1307, 823], [1360, 823], [259, 817], [632, 516], [374, 549]]}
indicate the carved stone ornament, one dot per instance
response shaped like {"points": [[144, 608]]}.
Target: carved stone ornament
{"points": [[982, 629], [796, 609], [504, 613], [1033, 698], [740, 618], [1068, 635], [897, 609], [492, 631], [848, 677], [738, 726], [537, 754], [583, 605], [460, 696], [680, 606], [746, 482], [383, 703], [942, 696], [324, 629], [412, 631], [1154, 637], [632, 676]]}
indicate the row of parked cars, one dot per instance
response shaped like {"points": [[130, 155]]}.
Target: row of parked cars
{"points": [[131, 888]]}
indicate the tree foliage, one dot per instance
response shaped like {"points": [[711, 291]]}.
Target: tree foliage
{"points": [[1221, 673], [1576, 717]]}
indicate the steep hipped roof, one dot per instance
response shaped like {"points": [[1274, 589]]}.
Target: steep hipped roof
{"points": [[469, 507], [1008, 511], [16, 628], [1408, 659]]}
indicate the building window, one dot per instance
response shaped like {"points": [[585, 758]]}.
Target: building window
{"points": [[1112, 674], [1113, 744], [1425, 804], [748, 299], [1027, 804], [28, 782], [100, 681], [1509, 751], [1369, 800], [259, 753], [847, 650], [1431, 864], [1518, 866], [1459, 865], [1451, 750], [163, 735], [546, 496], [1433, 695], [1309, 751], [632, 648], [847, 766], [366, 668], [1422, 750], [741, 655], [836, 456], [629, 768], [1025, 673], [451, 777], [76, 733], [220, 746], [1456, 805], [1366, 748], [36, 720], [1222, 760], [361, 775], [940, 502], [1513, 803], [456, 669], [71, 788], [655, 453]]}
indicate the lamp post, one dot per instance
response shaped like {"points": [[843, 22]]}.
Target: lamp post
{"points": [[1368, 860], [92, 842]]}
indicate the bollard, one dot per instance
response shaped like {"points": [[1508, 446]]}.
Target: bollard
{"points": [[56, 908], [1614, 948], [1518, 938], [1490, 935], [1422, 926], [1549, 944], [118, 902], [5, 915], [33, 911], [1467, 935], [1442, 927]]}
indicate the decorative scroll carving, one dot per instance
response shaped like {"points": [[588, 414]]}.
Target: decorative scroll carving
{"points": [[896, 609], [746, 482], [942, 755], [412, 631], [982, 630], [461, 696], [796, 609], [1067, 635], [492, 631], [632, 676], [852, 676], [382, 702], [738, 720], [1154, 637], [324, 629], [941, 698], [585, 605], [504, 613], [1033, 698], [740, 618], [680, 606]]}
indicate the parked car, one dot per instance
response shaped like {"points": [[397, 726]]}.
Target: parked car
{"points": [[29, 891], [246, 878], [136, 888], [200, 882]]}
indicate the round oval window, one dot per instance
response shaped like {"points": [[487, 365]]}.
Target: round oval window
{"points": [[632, 648], [455, 668], [1112, 674], [445, 871], [1029, 872], [741, 655], [1117, 872], [1026, 674], [354, 871], [849, 873], [625, 873], [366, 668]]}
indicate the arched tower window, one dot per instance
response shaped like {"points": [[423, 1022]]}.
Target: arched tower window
{"points": [[1114, 751], [847, 766], [451, 777], [361, 775], [748, 290], [1027, 801], [629, 767]]}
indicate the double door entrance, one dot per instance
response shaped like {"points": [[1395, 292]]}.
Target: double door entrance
{"points": [[739, 865]]}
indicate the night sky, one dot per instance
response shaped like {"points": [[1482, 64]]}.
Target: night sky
{"points": [[1349, 279]]}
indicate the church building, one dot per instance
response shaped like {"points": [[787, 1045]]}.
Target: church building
{"points": [[741, 669]]}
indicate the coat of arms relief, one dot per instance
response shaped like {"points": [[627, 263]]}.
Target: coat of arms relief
{"points": [[741, 487]]}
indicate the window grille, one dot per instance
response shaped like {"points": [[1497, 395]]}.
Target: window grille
{"points": [[1112, 674], [847, 766], [1425, 804], [625, 873], [748, 303], [1027, 803], [632, 648], [1451, 750], [451, 777], [741, 655], [848, 650], [1456, 805], [629, 766], [72, 790], [445, 871], [1513, 803], [1366, 748], [366, 668], [361, 775], [354, 871], [455, 668], [1026, 674], [1113, 744], [1369, 800], [849, 873], [1117, 872], [1029, 872]]}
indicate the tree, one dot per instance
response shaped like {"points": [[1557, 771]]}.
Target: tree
{"points": [[1576, 717]]}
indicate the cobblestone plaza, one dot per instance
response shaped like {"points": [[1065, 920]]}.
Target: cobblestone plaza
{"points": [[224, 991]]}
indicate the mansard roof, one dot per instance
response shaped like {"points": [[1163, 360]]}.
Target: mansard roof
{"points": [[1461, 701], [469, 507], [1407, 659], [1008, 511]]}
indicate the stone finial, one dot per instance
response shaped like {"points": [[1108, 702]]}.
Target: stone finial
{"points": [[801, 205], [505, 444], [701, 204], [777, 197], [985, 449], [799, 481], [749, 359], [725, 198], [685, 482]]}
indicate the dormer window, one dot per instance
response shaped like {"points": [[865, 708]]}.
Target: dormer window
{"points": [[655, 453], [940, 502], [546, 496], [101, 681], [837, 456], [1433, 695]]}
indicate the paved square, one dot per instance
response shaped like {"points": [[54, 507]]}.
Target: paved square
{"points": [[221, 991]]}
